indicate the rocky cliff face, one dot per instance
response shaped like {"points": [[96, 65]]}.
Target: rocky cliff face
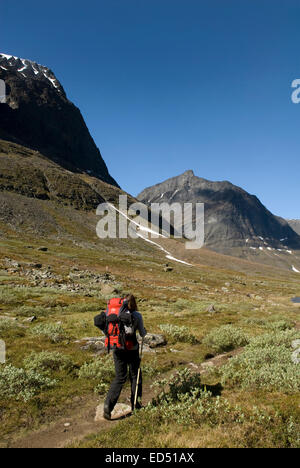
{"points": [[295, 225], [38, 115], [235, 221]]}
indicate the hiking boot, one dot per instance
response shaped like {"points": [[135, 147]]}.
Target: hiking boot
{"points": [[107, 413]]}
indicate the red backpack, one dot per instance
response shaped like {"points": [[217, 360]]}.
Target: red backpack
{"points": [[120, 329]]}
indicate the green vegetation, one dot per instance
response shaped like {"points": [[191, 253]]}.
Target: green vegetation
{"points": [[179, 333], [100, 371], [9, 328], [265, 363], [251, 400], [225, 338], [47, 362], [197, 414], [18, 383], [52, 331]]}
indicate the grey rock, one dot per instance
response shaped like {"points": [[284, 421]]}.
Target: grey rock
{"points": [[154, 340], [211, 309], [119, 411], [30, 319]]}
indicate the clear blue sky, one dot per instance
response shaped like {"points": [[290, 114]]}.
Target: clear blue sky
{"points": [[171, 85]]}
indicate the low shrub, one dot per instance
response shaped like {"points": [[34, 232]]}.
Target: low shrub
{"points": [[26, 311], [52, 331], [280, 325], [10, 326], [183, 400], [16, 383], [101, 371], [46, 361], [265, 363], [273, 323], [179, 333], [184, 382], [225, 338]]}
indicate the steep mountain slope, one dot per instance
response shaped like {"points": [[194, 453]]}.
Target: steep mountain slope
{"points": [[38, 115], [236, 223], [295, 225], [40, 196]]}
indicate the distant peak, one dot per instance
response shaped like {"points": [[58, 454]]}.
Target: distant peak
{"points": [[189, 173], [29, 69]]}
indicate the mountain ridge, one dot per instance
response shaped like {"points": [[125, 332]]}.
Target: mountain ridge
{"points": [[236, 222], [38, 115]]}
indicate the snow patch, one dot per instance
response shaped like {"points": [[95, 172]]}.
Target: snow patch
{"points": [[35, 67], [143, 228], [176, 260], [174, 194]]}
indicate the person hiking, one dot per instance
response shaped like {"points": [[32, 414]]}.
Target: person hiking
{"points": [[122, 322]]}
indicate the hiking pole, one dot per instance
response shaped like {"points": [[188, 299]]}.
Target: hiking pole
{"points": [[139, 376]]}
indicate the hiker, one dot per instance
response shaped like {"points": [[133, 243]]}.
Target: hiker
{"points": [[122, 322]]}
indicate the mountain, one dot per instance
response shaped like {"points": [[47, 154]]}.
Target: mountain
{"points": [[236, 223], [295, 225], [52, 178], [39, 116]]}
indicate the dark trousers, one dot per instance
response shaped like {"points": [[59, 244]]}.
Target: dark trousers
{"points": [[124, 360]]}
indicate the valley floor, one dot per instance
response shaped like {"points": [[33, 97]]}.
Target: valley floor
{"points": [[253, 403]]}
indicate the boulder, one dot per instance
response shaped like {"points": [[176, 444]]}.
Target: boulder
{"points": [[95, 344], [154, 340], [211, 309], [30, 319], [120, 411]]}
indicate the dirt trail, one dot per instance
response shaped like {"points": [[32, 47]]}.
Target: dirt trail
{"points": [[82, 423], [56, 435], [81, 419]]}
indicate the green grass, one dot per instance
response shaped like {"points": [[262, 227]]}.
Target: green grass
{"points": [[238, 415]]}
